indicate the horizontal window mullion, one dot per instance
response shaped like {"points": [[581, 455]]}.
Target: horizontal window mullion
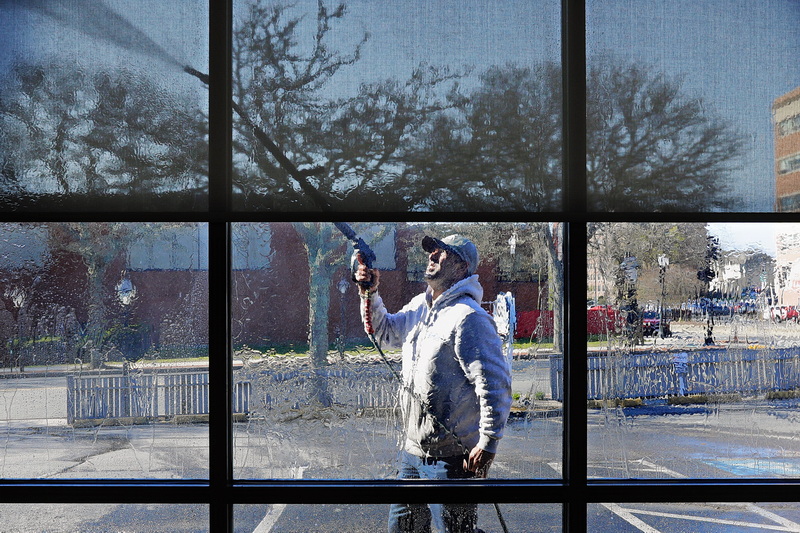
{"points": [[392, 491]]}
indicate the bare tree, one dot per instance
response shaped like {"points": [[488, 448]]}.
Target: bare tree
{"points": [[351, 149], [650, 146], [67, 131], [502, 146]]}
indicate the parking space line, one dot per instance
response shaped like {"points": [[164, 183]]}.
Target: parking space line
{"points": [[720, 521], [648, 467], [630, 518], [658, 468], [767, 514], [272, 516]]}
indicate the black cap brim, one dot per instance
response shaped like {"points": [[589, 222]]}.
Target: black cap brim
{"points": [[430, 244]]}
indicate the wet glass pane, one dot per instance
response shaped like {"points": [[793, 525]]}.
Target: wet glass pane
{"points": [[362, 518], [96, 109], [313, 397], [103, 350], [399, 106], [691, 105], [680, 517], [100, 518], [693, 366]]}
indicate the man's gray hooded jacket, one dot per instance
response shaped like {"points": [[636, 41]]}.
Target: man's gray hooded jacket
{"points": [[453, 363]]}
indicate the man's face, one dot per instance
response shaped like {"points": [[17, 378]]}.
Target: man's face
{"points": [[444, 266]]}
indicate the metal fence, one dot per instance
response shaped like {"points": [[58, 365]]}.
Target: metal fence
{"points": [[709, 371], [148, 396]]}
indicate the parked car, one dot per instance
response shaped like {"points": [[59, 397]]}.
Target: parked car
{"points": [[650, 323], [783, 313]]}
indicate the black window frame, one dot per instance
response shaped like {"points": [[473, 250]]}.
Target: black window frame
{"points": [[222, 491]]}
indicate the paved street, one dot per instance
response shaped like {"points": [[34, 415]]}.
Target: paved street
{"points": [[752, 437]]}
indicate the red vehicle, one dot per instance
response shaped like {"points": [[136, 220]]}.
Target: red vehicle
{"points": [[602, 319], [650, 324], [784, 313]]}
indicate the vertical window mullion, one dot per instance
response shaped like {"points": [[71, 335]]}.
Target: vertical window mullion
{"points": [[219, 166], [573, 34]]}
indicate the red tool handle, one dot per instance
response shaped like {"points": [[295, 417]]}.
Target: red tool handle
{"points": [[368, 315], [367, 302]]}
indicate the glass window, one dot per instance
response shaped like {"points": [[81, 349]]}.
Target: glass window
{"points": [[116, 120], [104, 350], [324, 403], [413, 106], [789, 164], [96, 111], [97, 518], [692, 353], [678, 103], [729, 516], [368, 518]]}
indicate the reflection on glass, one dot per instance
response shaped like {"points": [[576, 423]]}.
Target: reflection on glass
{"points": [[101, 518], [679, 97], [95, 108], [363, 518], [692, 355], [383, 106], [675, 517], [103, 349], [322, 402]]}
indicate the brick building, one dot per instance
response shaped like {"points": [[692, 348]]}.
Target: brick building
{"points": [[45, 286], [786, 121]]}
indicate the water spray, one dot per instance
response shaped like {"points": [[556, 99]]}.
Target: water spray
{"points": [[95, 19]]}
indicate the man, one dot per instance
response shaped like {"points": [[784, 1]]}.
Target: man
{"points": [[456, 390]]}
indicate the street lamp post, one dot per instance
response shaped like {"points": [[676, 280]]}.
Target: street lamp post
{"points": [[663, 263]]}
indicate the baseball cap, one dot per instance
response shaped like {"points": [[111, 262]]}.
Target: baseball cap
{"points": [[458, 244]]}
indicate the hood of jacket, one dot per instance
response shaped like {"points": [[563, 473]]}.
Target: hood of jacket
{"points": [[468, 286]]}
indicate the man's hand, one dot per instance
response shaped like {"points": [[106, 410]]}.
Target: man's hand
{"points": [[479, 461], [364, 274]]}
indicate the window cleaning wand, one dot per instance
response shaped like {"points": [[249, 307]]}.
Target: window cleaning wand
{"points": [[300, 176]]}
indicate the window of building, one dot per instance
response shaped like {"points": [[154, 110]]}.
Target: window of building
{"points": [[789, 164], [169, 175], [789, 125]]}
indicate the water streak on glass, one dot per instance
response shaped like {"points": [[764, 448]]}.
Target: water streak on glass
{"points": [[96, 110], [104, 350], [690, 105], [321, 402], [693, 333]]}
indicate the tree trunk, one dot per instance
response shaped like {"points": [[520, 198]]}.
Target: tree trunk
{"points": [[318, 304], [96, 313], [555, 285]]}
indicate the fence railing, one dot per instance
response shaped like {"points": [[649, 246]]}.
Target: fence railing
{"points": [[710, 371], [148, 396]]}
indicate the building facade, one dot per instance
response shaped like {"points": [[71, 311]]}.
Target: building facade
{"points": [[786, 121]]}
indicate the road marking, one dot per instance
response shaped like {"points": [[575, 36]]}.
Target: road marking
{"points": [[275, 511], [649, 467], [766, 514], [630, 518], [652, 467], [721, 521]]}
